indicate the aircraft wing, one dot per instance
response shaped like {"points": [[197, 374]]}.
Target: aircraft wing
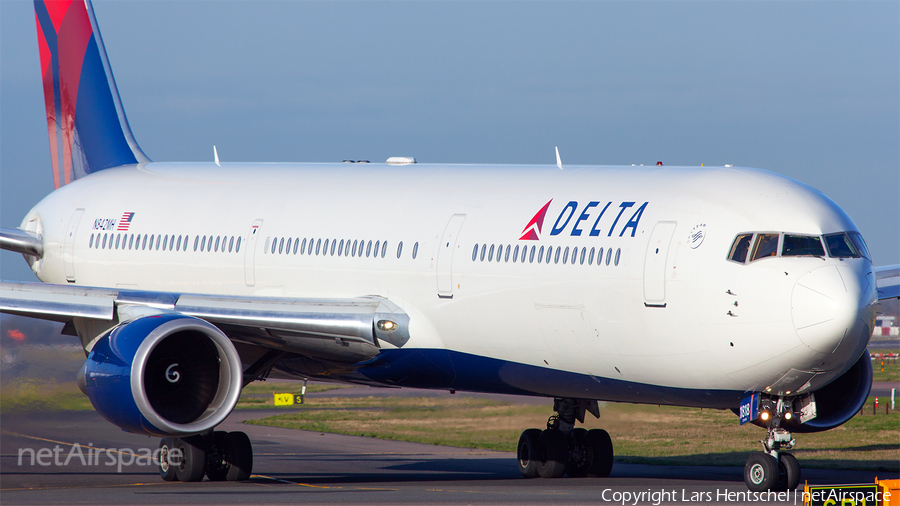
{"points": [[345, 329], [887, 281]]}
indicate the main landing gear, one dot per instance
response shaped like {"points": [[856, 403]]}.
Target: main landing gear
{"points": [[222, 456], [773, 469], [563, 449]]}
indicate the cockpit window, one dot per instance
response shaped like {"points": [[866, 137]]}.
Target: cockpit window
{"points": [[840, 246], [801, 245], [860, 244], [740, 248], [766, 246]]}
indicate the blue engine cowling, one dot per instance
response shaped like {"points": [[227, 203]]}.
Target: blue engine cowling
{"points": [[164, 375], [838, 401]]}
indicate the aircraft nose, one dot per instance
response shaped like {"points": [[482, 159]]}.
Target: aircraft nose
{"points": [[826, 303]]}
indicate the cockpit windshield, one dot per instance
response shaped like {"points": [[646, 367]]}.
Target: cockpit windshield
{"points": [[773, 244], [802, 245]]}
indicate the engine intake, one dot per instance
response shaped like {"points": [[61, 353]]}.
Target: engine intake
{"points": [[164, 375]]}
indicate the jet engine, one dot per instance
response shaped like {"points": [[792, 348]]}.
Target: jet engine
{"points": [[163, 375], [839, 400]]}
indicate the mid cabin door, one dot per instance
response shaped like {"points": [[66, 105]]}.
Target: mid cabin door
{"points": [[69, 252], [446, 252], [655, 264], [250, 253]]}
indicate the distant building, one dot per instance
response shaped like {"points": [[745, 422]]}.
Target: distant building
{"points": [[885, 326]]}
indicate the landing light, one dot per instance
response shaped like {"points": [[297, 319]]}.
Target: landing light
{"points": [[764, 415], [386, 325], [788, 416]]}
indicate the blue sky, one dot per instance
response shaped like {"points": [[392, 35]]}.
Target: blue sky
{"points": [[806, 89]]}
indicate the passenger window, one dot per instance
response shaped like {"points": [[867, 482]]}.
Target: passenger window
{"points": [[766, 246], [399, 249], [165, 242], [340, 248], [325, 247], [801, 245], [303, 247], [219, 238], [740, 247], [840, 246], [355, 243], [608, 255], [475, 252], [347, 248], [296, 245], [531, 257], [591, 257], [506, 256], [231, 244], [288, 249], [118, 239], [179, 244], [237, 247], [566, 255], [333, 246], [209, 244], [196, 242], [318, 245], [368, 248], [618, 254], [415, 250], [375, 251], [144, 244], [516, 255], [158, 240], [540, 254], [556, 258], [491, 254], [483, 251], [383, 249]]}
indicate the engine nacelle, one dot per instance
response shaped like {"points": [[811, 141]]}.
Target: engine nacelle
{"points": [[164, 375], [839, 400]]}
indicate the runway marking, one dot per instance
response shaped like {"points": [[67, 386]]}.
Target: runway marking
{"points": [[80, 487], [289, 482]]}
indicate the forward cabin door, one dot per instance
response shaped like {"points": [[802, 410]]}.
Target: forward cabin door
{"points": [[250, 253], [655, 264], [446, 252], [69, 252]]}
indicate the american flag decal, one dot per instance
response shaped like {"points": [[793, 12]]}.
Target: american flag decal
{"points": [[125, 222]]}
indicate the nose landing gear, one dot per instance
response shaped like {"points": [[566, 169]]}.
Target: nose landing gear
{"points": [[562, 449], [774, 469]]}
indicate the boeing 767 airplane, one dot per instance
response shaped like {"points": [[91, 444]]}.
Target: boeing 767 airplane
{"points": [[709, 287]]}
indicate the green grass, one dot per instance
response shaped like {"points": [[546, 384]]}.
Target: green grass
{"points": [[640, 434], [886, 370]]}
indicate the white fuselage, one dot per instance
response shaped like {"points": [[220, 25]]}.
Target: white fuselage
{"points": [[667, 309]]}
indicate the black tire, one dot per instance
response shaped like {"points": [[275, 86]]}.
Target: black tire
{"points": [[577, 466], [168, 460], [553, 453], [217, 464], [761, 472], [193, 459], [790, 471], [527, 453], [600, 461], [238, 456]]}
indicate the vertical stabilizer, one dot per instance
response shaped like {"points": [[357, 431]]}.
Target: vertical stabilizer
{"points": [[85, 121]]}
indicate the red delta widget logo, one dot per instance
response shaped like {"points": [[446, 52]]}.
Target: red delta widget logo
{"points": [[532, 231]]}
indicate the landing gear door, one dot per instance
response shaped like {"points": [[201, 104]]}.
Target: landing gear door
{"points": [[446, 252], [655, 264], [69, 252], [250, 253]]}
